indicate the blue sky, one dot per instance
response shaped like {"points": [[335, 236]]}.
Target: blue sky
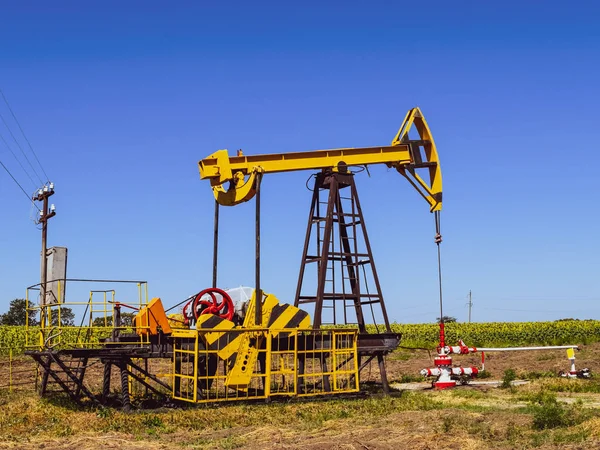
{"points": [[121, 99]]}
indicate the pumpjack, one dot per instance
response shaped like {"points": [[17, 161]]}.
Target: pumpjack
{"points": [[257, 348], [336, 223]]}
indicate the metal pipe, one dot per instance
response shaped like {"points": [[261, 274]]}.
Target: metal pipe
{"points": [[513, 349], [90, 281], [257, 290], [215, 245]]}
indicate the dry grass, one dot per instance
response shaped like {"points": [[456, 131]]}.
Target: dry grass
{"points": [[466, 418]]}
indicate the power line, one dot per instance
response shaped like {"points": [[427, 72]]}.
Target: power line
{"points": [[21, 148], [23, 133], [18, 184], [18, 160]]}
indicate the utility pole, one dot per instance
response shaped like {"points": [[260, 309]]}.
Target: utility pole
{"points": [[45, 214], [470, 305]]}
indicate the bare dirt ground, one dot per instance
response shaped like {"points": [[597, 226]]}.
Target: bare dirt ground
{"points": [[406, 364], [469, 417]]}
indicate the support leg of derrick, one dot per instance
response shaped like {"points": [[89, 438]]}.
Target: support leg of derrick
{"points": [[383, 373], [45, 374], [82, 366], [78, 382]]}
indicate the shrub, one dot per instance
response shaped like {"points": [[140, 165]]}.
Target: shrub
{"points": [[549, 413], [509, 376]]}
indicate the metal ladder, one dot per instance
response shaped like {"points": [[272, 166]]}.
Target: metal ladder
{"points": [[339, 256]]}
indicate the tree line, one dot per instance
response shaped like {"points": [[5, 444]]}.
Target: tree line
{"points": [[17, 315]]}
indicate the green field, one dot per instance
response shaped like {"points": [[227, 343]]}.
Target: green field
{"points": [[502, 334]]}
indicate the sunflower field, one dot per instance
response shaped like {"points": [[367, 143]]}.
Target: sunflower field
{"points": [[501, 334], [490, 334]]}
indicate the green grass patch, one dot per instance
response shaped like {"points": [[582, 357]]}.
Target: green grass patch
{"points": [[509, 376], [468, 393], [549, 413]]}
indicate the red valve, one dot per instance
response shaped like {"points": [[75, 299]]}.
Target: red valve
{"points": [[223, 309]]}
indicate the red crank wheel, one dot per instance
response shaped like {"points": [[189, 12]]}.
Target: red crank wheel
{"points": [[223, 308]]}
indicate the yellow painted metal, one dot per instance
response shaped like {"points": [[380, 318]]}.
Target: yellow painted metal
{"points": [[152, 317], [247, 351], [217, 332], [262, 360], [211, 167], [240, 375], [330, 365], [233, 178], [58, 335], [59, 309], [184, 333], [287, 314], [176, 320], [269, 302], [102, 308], [184, 380], [432, 191]]}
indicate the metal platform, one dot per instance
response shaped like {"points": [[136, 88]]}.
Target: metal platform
{"points": [[287, 362]]}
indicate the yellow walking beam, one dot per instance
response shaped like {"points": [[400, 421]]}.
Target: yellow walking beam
{"points": [[404, 154]]}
